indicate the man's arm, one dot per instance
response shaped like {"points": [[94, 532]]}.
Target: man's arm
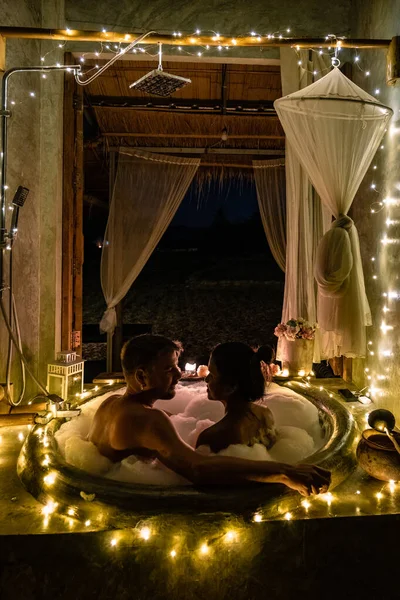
{"points": [[159, 435]]}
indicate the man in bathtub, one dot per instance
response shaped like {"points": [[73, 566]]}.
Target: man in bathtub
{"points": [[128, 424]]}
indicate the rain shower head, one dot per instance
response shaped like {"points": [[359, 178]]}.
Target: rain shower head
{"points": [[159, 83]]}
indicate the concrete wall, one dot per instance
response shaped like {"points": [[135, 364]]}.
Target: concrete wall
{"points": [[229, 16], [223, 16], [35, 161], [380, 19]]}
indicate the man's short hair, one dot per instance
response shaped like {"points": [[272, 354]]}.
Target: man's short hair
{"points": [[142, 350]]}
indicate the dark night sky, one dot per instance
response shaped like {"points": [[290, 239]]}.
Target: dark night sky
{"points": [[238, 201]]}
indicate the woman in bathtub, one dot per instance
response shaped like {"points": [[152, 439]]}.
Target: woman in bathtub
{"points": [[237, 376]]}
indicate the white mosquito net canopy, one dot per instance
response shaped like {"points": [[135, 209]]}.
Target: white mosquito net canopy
{"points": [[335, 128]]}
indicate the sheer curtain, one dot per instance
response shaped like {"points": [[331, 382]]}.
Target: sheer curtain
{"points": [[269, 176], [306, 218], [335, 129], [147, 192]]}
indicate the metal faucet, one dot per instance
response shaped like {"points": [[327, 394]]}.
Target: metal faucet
{"points": [[57, 408]]}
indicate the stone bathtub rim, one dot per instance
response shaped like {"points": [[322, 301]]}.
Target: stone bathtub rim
{"points": [[120, 499]]}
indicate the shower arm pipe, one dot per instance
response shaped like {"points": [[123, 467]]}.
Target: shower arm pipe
{"points": [[76, 35], [4, 115]]}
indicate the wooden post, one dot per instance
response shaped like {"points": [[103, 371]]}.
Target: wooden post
{"points": [[72, 237], [393, 62], [337, 365], [2, 54], [348, 369]]}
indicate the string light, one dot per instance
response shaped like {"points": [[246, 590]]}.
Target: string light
{"points": [[145, 533], [204, 549]]}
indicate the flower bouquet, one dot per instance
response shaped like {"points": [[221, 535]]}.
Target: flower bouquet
{"points": [[296, 341]]}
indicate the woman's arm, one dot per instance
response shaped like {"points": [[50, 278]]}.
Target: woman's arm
{"points": [[161, 437]]}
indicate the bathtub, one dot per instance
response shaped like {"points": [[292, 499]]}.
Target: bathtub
{"points": [[78, 494]]}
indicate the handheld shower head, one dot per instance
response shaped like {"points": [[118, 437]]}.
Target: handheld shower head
{"points": [[18, 202], [20, 196]]}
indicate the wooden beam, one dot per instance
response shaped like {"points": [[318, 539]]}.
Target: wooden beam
{"points": [[77, 312], [207, 136], [67, 213], [241, 151], [199, 105], [76, 35], [393, 62], [2, 54], [72, 212]]}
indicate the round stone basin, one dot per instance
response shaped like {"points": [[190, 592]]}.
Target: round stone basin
{"points": [[76, 493]]}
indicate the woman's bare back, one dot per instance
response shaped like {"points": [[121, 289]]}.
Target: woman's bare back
{"points": [[254, 426]]}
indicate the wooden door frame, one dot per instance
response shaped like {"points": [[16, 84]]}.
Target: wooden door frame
{"points": [[72, 214]]}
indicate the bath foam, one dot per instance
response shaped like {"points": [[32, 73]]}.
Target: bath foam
{"points": [[298, 434]]}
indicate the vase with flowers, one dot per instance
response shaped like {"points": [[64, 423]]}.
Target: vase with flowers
{"points": [[296, 341]]}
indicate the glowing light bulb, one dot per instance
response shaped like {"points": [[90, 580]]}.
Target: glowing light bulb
{"points": [[21, 437], [373, 186], [367, 73], [358, 492], [328, 498], [257, 518], [379, 495], [71, 512], [288, 516], [49, 508], [288, 30], [32, 94], [230, 536], [198, 31], [113, 542], [302, 373], [145, 533], [204, 549], [377, 91], [356, 58], [234, 42], [306, 504], [49, 479], [172, 553]]}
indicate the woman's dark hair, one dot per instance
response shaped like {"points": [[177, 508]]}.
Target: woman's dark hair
{"points": [[142, 350], [240, 365]]}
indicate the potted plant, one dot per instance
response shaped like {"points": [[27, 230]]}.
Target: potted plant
{"points": [[296, 340]]}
